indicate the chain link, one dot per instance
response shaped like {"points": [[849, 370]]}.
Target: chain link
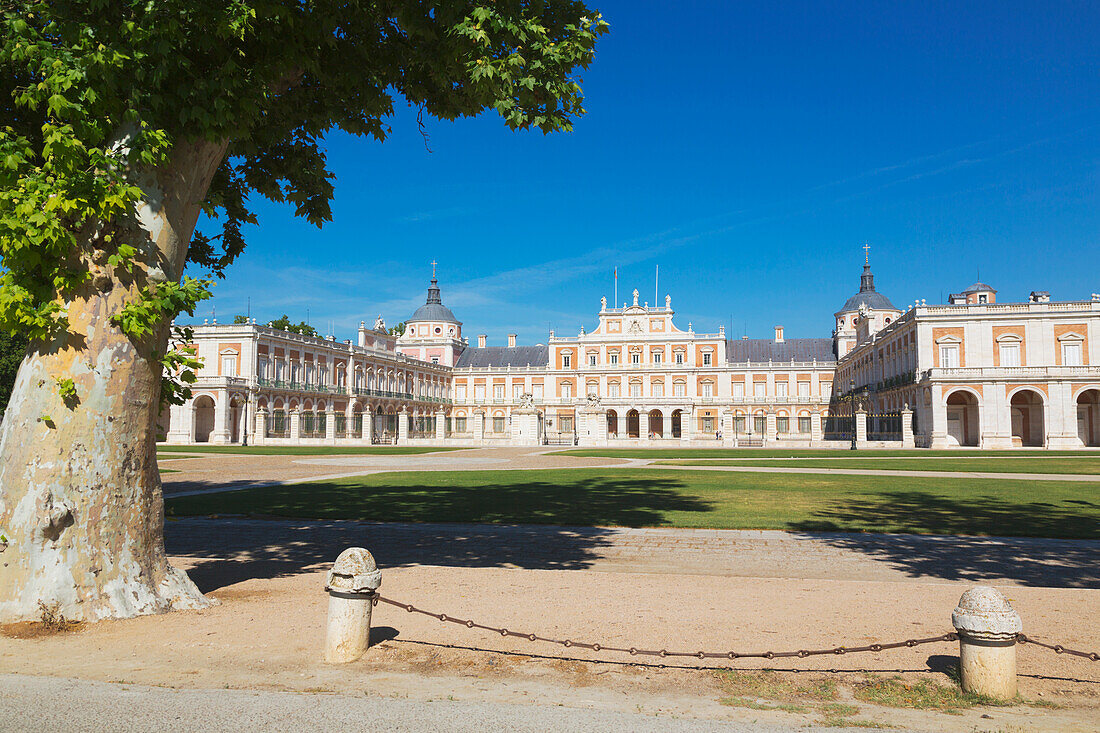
{"points": [[1057, 648], [665, 653]]}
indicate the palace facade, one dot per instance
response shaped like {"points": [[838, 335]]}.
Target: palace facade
{"points": [[974, 373]]}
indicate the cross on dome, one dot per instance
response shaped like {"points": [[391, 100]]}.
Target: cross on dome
{"points": [[866, 253], [434, 263]]}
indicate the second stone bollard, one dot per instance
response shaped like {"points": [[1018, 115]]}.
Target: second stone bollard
{"points": [[987, 626], [351, 586]]}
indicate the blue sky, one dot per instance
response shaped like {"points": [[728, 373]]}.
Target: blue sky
{"points": [[749, 149]]}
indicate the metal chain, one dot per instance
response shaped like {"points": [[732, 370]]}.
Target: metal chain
{"points": [[633, 651], [1058, 648], [800, 653]]}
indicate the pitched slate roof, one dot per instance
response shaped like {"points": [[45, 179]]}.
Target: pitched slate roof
{"points": [[762, 350], [504, 356]]}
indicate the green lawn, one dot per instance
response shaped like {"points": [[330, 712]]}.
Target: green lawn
{"points": [[665, 498], [305, 450], [808, 453], [988, 464]]}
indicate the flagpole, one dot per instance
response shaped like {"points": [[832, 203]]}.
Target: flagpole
{"points": [[656, 279], [615, 302]]}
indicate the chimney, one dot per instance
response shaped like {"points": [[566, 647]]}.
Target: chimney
{"points": [[778, 334], [511, 341], [481, 341], [1039, 296]]}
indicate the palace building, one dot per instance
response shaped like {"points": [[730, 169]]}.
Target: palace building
{"points": [[974, 372]]}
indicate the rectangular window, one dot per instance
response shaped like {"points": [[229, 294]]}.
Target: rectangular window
{"points": [[460, 393], [229, 365], [738, 390], [760, 424], [479, 393], [679, 357], [1010, 355], [635, 390], [782, 425], [566, 390], [780, 389], [738, 423], [613, 357], [803, 390], [592, 359], [613, 390], [566, 360], [706, 359], [826, 390], [658, 390], [1071, 353], [435, 359], [708, 389], [658, 357], [708, 424], [949, 356], [635, 358], [460, 425], [679, 389], [498, 393], [759, 390], [536, 391], [565, 424], [803, 424], [517, 392], [593, 388], [498, 424]]}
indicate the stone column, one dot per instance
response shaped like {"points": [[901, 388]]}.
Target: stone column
{"points": [[861, 426], [770, 431], [403, 426], [643, 425], [907, 439], [479, 427], [221, 419], [368, 425], [330, 425], [295, 426], [1061, 422], [259, 435], [987, 627], [440, 425], [727, 427], [687, 426], [181, 425], [939, 418], [816, 435]]}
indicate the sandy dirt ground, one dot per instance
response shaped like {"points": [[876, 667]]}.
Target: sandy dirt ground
{"points": [[266, 634]]}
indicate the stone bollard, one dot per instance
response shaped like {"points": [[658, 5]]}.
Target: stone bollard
{"points": [[351, 586], [987, 627]]}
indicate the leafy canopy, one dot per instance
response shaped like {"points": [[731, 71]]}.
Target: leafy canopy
{"points": [[97, 95], [283, 324]]}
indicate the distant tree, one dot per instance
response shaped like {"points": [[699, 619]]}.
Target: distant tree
{"points": [[283, 324], [398, 330], [121, 123], [239, 319], [12, 350]]}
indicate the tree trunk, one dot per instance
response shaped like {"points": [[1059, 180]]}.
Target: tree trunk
{"points": [[80, 493]]}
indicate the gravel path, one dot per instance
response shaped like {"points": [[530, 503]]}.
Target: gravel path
{"points": [[97, 706], [295, 544]]}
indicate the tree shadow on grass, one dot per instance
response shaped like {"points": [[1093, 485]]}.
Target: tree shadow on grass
{"points": [[412, 524], [1014, 546]]}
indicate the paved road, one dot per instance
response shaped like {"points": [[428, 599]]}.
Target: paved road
{"points": [[35, 704], [285, 546]]}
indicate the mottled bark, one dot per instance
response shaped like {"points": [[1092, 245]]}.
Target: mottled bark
{"points": [[80, 494]]}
